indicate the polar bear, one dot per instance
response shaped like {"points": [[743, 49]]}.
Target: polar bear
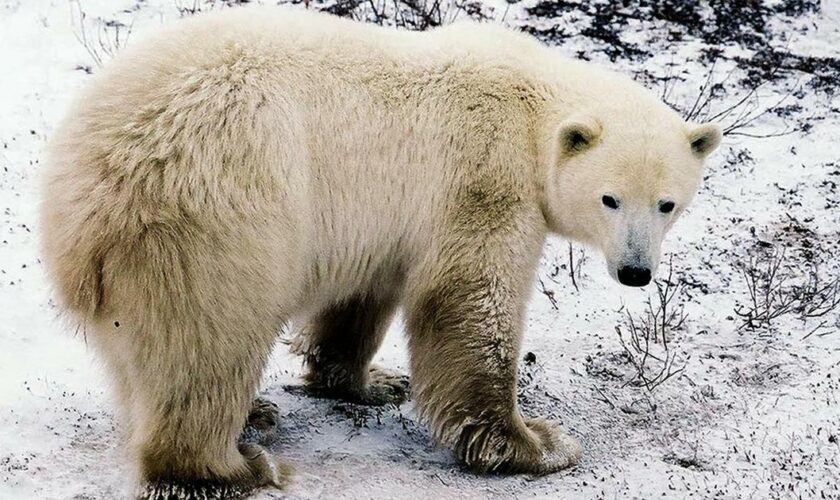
{"points": [[245, 169]]}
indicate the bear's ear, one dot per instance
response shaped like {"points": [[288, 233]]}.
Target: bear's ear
{"points": [[704, 138], [578, 134]]}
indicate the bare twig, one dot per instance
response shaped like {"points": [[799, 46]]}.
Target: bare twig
{"points": [[819, 327], [572, 266], [646, 339], [604, 397], [550, 294], [416, 15], [746, 110], [102, 39], [774, 292]]}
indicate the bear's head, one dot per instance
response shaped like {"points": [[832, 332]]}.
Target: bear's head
{"points": [[618, 178]]}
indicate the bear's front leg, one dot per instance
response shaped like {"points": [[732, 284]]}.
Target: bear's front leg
{"points": [[465, 326]]}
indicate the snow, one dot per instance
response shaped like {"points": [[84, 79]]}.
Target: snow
{"points": [[754, 415]]}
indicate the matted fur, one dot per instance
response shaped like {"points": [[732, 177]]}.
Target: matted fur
{"points": [[244, 168]]}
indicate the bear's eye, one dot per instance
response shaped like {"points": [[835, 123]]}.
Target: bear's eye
{"points": [[609, 202], [666, 207], [576, 141]]}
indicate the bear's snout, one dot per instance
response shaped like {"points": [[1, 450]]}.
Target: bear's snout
{"points": [[634, 276]]}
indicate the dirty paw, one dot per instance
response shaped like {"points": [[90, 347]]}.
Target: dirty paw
{"points": [[385, 387], [264, 415], [538, 447], [559, 450], [262, 420], [265, 469]]}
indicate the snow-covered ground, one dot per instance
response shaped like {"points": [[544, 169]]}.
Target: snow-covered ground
{"points": [[754, 414]]}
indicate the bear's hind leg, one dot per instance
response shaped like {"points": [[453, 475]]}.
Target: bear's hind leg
{"points": [[195, 397], [195, 331], [338, 346]]}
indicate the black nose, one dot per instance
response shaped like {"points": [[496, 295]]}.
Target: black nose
{"points": [[634, 276]]}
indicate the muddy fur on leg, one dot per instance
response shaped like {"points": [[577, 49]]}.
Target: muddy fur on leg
{"points": [[338, 345], [464, 338]]}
